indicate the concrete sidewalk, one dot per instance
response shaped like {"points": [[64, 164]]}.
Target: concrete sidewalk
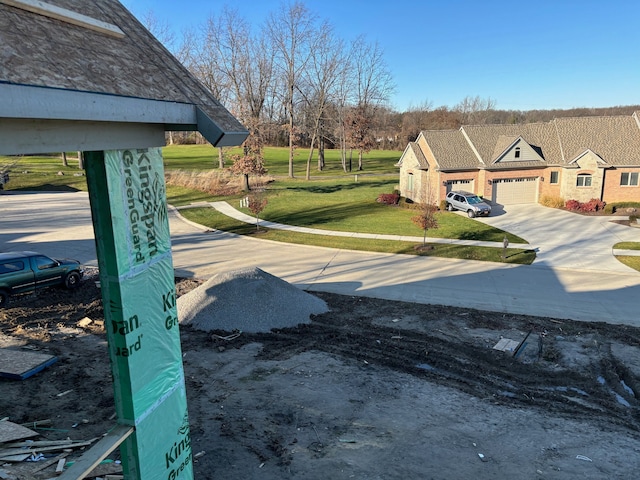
{"points": [[229, 211], [603, 254]]}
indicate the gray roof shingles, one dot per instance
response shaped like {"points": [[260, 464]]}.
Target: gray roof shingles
{"points": [[616, 139], [46, 52], [451, 150]]}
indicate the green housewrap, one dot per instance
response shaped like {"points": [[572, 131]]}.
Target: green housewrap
{"points": [[129, 209]]}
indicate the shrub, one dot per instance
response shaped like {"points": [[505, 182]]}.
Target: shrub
{"points": [[388, 198], [443, 205], [615, 206], [551, 201], [572, 205], [593, 205]]}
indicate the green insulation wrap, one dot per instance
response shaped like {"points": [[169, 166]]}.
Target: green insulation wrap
{"points": [[130, 216]]}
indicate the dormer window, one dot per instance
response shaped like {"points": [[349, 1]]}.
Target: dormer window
{"points": [[517, 152]]}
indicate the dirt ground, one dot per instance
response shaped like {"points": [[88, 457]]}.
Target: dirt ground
{"points": [[373, 389]]}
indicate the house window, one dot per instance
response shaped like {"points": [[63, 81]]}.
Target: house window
{"points": [[410, 182], [554, 177], [517, 152], [629, 179], [584, 180]]}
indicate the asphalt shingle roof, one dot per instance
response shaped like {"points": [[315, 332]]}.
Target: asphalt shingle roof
{"points": [[417, 151], [451, 150], [46, 52], [616, 139]]}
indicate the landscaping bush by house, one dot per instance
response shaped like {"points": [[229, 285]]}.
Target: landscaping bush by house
{"points": [[593, 205], [613, 207], [388, 198], [551, 201]]}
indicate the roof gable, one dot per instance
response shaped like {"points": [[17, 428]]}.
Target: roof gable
{"points": [[587, 152], [492, 141], [413, 153], [515, 151]]}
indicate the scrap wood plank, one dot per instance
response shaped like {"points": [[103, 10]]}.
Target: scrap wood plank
{"points": [[15, 458], [18, 364], [10, 432], [54, 448], [37, 443], [90, 459]]}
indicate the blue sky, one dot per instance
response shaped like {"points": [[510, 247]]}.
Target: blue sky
{"points": [[524, 55]]}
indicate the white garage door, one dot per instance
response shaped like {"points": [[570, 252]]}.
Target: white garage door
{"points": [[510, 191], [465, 185]]}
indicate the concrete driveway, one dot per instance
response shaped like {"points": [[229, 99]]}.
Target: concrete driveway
{"points": [[60, 225], [564, 239]]}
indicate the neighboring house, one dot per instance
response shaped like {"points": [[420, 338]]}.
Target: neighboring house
{"points": [[569, 158]]}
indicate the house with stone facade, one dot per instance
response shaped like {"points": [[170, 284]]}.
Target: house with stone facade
{"points": [[569, 158]]}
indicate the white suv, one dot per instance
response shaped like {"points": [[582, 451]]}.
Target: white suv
{"points": [[467, 202]]}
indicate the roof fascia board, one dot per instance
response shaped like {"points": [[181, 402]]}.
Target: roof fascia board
{"points": [[25, 101], [25, 136], [215, 135], [42, 103]]}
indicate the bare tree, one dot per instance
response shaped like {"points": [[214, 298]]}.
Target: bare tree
{"points": [[373, 86], [321, 77], [475, 110], [161, 29], [294, 36]]}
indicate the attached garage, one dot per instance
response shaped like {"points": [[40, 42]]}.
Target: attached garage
{"points": [[465, 185], [511, 191]]}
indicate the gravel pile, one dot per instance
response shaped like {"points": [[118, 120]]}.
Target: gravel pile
{"points": [[248, 300]]}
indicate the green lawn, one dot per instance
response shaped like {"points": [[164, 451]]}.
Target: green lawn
{"points": [[627, 246], [632, 261], [276, 160], [332, 200], [211, 218]]}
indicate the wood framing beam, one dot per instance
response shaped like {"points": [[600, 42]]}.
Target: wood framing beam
{"points": [[65, 15]]}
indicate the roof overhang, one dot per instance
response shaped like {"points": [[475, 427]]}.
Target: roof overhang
{"points": [[98, 121]]}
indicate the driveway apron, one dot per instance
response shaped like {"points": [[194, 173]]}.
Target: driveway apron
{"points": [[566, 240]]}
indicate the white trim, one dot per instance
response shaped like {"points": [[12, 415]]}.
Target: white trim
{"points": [[586, 152], [69, 16]]}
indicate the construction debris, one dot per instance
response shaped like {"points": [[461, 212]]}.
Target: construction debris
{"points": [[19, 365]]}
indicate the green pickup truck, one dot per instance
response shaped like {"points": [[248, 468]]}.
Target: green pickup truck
{"points": [[24, 272]]}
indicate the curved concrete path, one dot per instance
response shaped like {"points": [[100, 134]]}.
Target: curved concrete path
{"points": [[60, 225], [561, 239], [228, 210]]}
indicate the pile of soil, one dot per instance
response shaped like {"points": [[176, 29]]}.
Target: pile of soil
{"points": [[369, 389]]}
